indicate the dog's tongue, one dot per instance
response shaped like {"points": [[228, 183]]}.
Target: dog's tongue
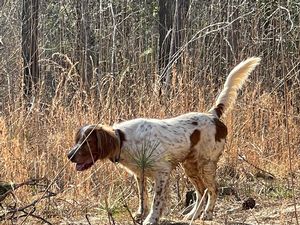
{"points": [[83, 166]]}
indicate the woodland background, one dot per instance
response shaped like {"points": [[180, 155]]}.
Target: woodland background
{"points": [[68, 63]]}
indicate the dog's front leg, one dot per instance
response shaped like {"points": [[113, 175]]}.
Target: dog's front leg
{"points": [[143, 198], [161, 181]]}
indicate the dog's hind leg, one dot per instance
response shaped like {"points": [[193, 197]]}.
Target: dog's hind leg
{"points": [[194, 175], [209, 181]]}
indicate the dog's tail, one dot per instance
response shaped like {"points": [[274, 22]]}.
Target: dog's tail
{"points": [[233, 83]]}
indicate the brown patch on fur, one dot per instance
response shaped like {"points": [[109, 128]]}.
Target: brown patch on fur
{"points": [[192, 170], [195, 123], [221, 130], [108, 144], [195, 137], [219, 109]]}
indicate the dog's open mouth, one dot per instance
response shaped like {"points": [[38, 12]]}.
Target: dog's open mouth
{"points": [[80, 166], [83, 166]]}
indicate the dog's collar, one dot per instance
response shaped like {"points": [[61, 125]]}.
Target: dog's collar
{"points": [[116, 159]]}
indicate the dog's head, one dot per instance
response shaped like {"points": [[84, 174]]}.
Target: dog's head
{"points": [[93, 142]]}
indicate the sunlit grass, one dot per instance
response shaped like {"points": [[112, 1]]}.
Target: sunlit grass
{"points": [[34, 144]]}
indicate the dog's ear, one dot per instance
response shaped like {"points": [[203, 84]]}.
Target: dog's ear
{"points": [[107, 142]]}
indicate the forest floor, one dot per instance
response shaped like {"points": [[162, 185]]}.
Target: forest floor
{"points": [[274, 204], [227, 212], [266, 212]]}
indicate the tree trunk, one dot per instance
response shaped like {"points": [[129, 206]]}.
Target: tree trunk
{"points": [[85, 43], [172, 16], [165, 25], [30, 46]]}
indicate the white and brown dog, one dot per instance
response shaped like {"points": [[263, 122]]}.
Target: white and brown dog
{"points": [[196, 140]]}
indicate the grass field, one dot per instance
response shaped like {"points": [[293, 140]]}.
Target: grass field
{"points": [[263, 138]]}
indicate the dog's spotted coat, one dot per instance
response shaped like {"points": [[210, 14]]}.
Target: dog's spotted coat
{"points": [[194, 140]]}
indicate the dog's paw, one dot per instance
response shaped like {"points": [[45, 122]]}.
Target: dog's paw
{"points": [[207, 215], [150, 221]]}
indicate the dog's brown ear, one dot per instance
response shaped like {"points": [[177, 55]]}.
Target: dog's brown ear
{"points": [[107, 142]]}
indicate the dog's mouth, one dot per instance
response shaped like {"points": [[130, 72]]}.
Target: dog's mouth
{"points": [[83, 166]]}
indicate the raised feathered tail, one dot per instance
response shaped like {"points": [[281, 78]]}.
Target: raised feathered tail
{"points": [[233, 83]]}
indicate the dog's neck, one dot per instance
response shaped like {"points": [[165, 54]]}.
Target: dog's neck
{"points": [[120, 137]]}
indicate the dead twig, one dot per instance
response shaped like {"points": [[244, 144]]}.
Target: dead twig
{"points": [[36, 216], [264, 174], [13, 212], [87, 218], [7, 188]]}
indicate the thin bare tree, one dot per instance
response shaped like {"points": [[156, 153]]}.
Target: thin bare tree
{"points": [[30, 9]]}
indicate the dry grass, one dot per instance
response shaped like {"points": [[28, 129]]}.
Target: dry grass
{"points": [[34, 144]]}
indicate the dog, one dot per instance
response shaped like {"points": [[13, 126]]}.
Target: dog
{"points": [[195, 140]]}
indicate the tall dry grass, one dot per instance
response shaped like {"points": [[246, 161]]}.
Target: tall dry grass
{"points": [[263, 127], [34, 142]]}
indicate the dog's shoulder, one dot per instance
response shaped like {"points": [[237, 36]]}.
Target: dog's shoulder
{"points": [[134, 123], [137, 128]]}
